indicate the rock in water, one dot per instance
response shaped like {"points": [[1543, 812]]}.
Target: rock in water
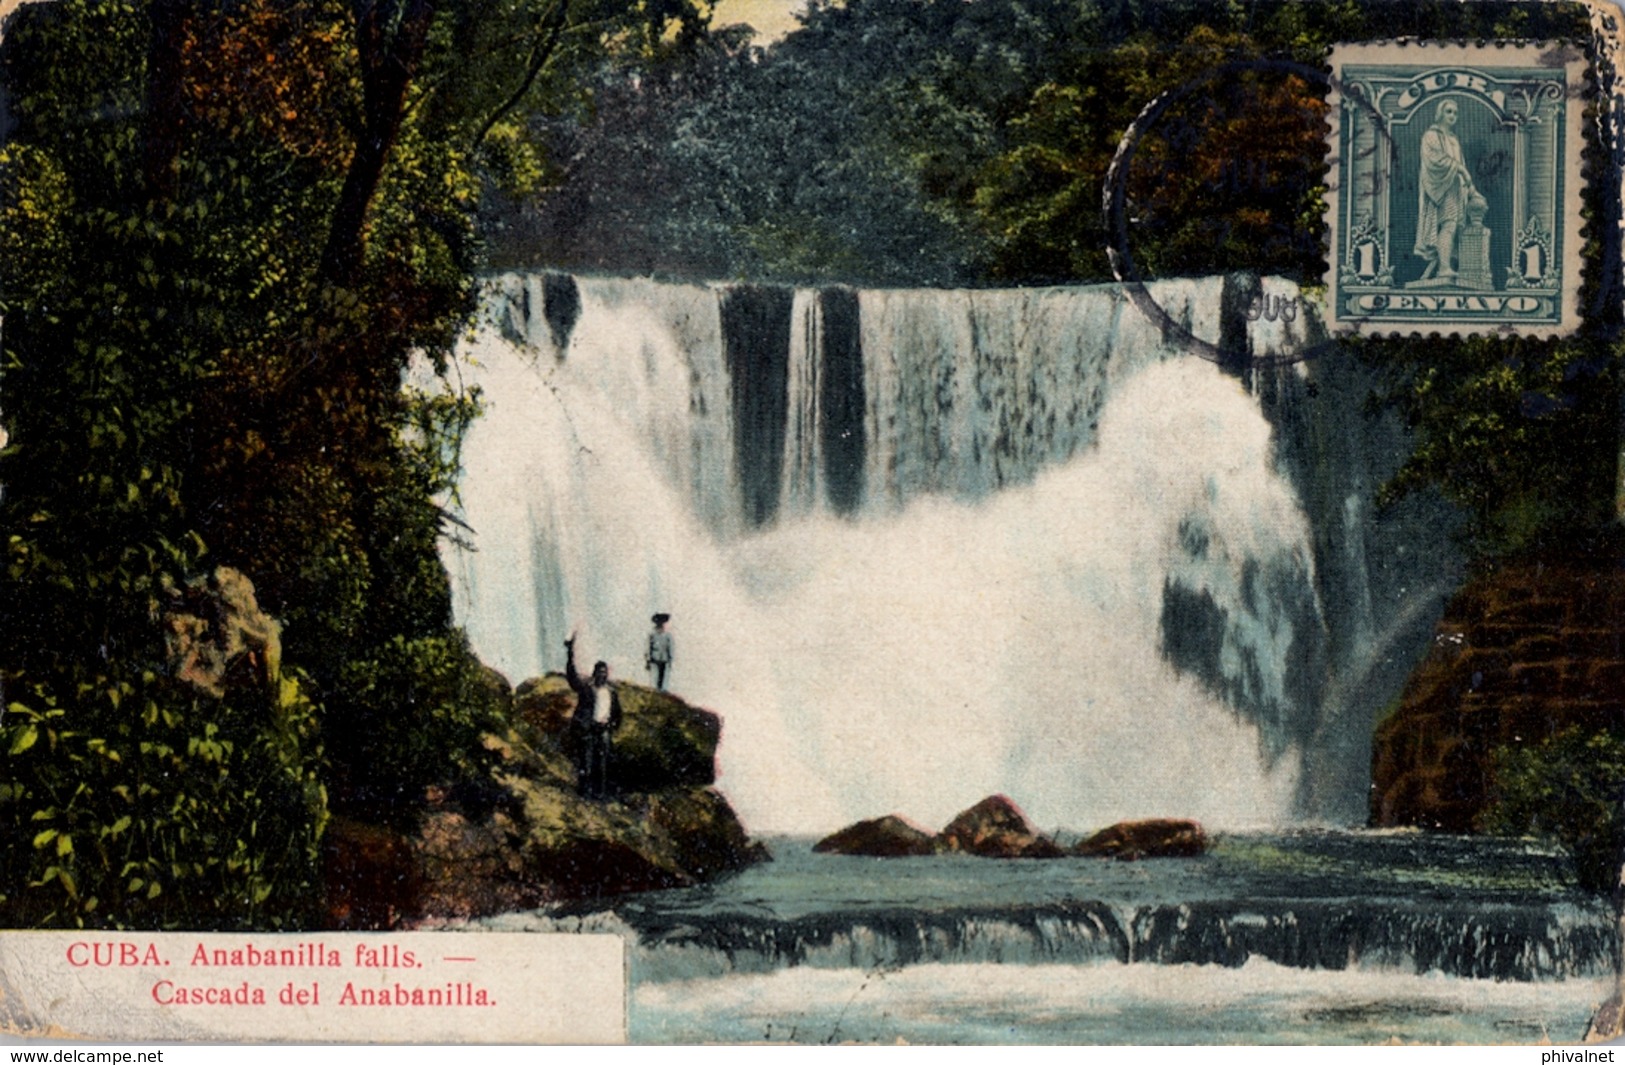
{"points": [[996, 828], [1156, 838], [881, 837]]}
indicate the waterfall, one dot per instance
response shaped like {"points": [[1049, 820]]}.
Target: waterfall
{"points": [[922, 546]]}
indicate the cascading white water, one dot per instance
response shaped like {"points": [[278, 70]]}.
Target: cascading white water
{"points": [[971, 598]]}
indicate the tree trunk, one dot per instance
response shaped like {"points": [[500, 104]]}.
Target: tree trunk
{"points": [[390, 38], [164, 120], [1608, 1023]]}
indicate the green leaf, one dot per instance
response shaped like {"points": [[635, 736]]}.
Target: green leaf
{"points": [[25, 738], [45, 837]]}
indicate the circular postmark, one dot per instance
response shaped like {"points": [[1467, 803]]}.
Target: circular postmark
{"points": [[1114, 205]]}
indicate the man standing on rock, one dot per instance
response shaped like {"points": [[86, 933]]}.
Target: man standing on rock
{"points": [[598, 715], [659, 657]]}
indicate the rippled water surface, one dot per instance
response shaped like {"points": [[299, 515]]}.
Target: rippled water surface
{"points": [[1303, 937]]}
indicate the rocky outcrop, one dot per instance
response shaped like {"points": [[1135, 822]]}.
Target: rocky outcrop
{"points": [[1607, 1025], [883, 837], [997, 828], [372, 874], [1155, 838], [1524, 651], [216, 636], [662, 743], [526, 838]]}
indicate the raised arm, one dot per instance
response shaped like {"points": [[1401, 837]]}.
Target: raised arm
{"points": [[570, 673]]}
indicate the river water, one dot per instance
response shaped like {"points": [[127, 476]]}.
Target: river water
{"points": [[1299, 937]]}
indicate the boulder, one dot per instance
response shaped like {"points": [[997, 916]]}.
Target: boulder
{"points": [[662, 743], [525, 838], [1155, 838], [708, 840], [468, 865], [577, 849], [881, 837], [216, 636], [996, 828]]}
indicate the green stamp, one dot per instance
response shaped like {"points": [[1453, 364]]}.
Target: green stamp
{"points": [[1454, 202]]}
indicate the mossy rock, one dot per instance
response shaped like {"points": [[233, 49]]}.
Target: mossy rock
{"points": [[662, 743], [534, 839], [674, 838]]}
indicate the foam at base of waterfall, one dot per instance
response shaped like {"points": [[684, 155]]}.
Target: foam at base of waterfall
{"points": [[914, 661], [1259, 1003]]}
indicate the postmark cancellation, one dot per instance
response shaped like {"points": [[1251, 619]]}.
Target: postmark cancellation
{"points": [[1455, 188]]}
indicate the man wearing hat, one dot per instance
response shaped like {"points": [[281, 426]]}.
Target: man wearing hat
{"points": [[659, 656], [598, 715]]}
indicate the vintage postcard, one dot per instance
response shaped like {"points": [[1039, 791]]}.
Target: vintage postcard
{"points": [[844, 521]]}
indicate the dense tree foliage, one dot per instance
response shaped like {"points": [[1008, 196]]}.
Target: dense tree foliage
{"points": [[1572, 788], [935, 141], [228, 227]]}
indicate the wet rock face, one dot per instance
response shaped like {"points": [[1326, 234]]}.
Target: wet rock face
{"points": [[883, 837], [1154, 838], [1523, 652], [997, 828]]}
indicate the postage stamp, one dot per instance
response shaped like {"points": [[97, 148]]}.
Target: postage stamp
{"points": [[1454, 203]]}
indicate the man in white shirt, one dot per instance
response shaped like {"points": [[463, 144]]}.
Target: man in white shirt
{"points": [[659, 657], [597, 716]]}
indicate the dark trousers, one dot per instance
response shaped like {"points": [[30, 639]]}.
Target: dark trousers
{"points": [[592, 772], [660, 673]]}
